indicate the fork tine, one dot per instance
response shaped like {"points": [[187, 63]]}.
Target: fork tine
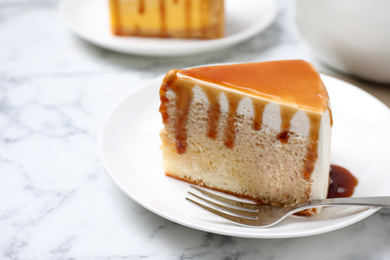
{"points": [[236, 203], [239, 212], [240, 220]]}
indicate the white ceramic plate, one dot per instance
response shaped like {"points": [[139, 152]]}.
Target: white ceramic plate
{"points": [[129, 146], [90, 20]]}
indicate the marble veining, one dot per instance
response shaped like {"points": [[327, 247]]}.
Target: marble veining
{"points": [[57, 200]]}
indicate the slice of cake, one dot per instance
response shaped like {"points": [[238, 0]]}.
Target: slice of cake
{"points": [[257, 130], [168, 18]]}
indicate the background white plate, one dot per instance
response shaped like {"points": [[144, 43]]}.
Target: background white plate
{"points": [[90, 20], [129, 146]]}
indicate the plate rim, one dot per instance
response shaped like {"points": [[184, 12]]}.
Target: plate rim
{"points": [[356, 217]]}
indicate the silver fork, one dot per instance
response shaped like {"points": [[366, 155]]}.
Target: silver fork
{"points": [[263, 216]]}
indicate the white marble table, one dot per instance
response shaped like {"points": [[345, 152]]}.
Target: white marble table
{"points": [[56, 199]]}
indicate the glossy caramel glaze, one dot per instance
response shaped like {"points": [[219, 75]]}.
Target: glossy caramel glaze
{"points": [[311, 155], [293, 82], [270, 81]]}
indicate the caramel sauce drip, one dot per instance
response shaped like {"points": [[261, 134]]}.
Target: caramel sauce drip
{"points": [[258, 111], [188, 18], [115, 17], [213, 113], [183, 102], [163, 30], [312, 155], [204, 18], [230, 131], [164, 103], [184, 96], [286, 114], [342, 182], [330, 116], [141, 6], [183, 89]]}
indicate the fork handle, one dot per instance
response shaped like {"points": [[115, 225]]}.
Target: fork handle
{"points": [[366, 201]]}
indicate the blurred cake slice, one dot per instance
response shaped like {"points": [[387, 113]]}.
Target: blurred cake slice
{"points": [[257, 130], [202, 19]]}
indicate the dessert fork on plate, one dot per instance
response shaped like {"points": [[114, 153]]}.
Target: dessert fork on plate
{"points": [[263, 216]]}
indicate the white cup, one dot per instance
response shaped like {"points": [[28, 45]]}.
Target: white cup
{"points": [[352, 36]]}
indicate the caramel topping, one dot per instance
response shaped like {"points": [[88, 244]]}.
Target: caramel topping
{"points": [[184, 95], [278, 81], [253, 78]]}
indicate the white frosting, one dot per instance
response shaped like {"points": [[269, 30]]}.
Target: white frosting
{"points": [[320, 175], [199, 95], [271, 116], [300, 123]]}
